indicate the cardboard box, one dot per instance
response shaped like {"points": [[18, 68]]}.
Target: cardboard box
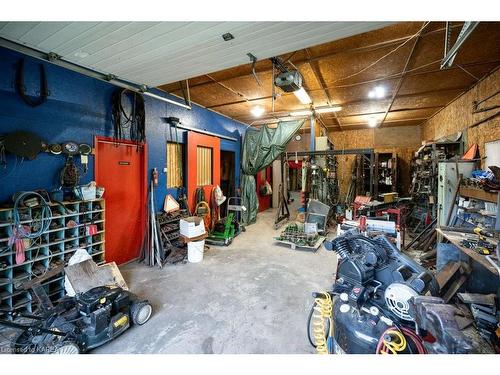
{"points": [[192, 226], [389, 197]]}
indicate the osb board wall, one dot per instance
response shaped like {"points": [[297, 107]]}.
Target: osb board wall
{"points": [[458, 116], [404, 136], [403, 141]]}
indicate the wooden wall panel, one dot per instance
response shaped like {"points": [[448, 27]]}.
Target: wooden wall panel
{"points": [[402, 140], [458, 115], [362, 138], [402, 136]]}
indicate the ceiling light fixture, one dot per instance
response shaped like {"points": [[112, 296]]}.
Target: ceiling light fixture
{"points": [[227, 37], [372, 122], [257, 111], [305, 112], [377, 92], [334, 108], [303, 96]]}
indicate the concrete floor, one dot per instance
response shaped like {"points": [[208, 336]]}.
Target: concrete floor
{"points": [[250, 297]]}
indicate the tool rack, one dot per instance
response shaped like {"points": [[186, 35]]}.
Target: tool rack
{"points": [[169, 228], [385, 173], [424, 185], [53, 247]]}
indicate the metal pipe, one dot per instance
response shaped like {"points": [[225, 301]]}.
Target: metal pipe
{"points": [[312, 141], [109, 78], [185, 127], [354, 151]]}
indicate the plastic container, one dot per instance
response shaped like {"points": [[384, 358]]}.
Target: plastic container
{"points": [[195, 251], [86, 192]]}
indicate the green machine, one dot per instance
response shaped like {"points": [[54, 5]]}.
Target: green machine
{"points": [[224, 231]]}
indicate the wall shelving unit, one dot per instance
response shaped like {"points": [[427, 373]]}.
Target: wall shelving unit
{"points": [[52, 248]]}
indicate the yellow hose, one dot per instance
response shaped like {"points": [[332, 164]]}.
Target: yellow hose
{"points": [[396, 344], [323, 308]]}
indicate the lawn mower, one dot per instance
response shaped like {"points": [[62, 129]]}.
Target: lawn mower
{"points": [[76, 324], [224, 231]]}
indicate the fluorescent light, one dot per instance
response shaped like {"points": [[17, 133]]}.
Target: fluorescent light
{"points": [[372, 122], [377, 92], [303, 96], [335, 108], [305, 112], [257, 111]]}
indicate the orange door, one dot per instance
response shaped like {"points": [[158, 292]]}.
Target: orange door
{"points": [[121, 169], [199, 147]]}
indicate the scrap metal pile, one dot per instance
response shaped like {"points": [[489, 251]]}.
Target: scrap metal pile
{"points": [[484, 180], [296, 234]]}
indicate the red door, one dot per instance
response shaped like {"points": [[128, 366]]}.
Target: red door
{"points": [[195, 142], [261, 178], [121, 170]]}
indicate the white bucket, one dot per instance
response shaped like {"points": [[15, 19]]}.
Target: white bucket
{"points": [[195, 251]]}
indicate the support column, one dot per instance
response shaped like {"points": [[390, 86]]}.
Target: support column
{"points": [[312, 146]]}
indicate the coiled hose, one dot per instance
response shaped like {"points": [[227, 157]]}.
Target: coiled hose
{"points": [[394, 341], [44, 219], [322, 323]]}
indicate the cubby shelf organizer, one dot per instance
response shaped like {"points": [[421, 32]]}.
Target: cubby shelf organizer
{"points": [[56, 245]]}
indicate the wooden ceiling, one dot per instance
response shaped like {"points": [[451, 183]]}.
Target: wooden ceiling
{"points": [[404, 58]]}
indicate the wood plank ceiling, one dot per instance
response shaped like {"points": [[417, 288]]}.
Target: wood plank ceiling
{"points": [[342, 72]]}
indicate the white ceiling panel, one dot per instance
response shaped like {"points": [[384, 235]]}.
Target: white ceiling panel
{"points": [[155, 53]]}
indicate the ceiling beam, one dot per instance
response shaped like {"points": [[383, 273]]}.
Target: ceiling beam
{"points": [[399, 111], [387, 125], [386, 78], [365, 101], [362, 101], [388, 122], [319, 77], [392, 111], [407, 64]]}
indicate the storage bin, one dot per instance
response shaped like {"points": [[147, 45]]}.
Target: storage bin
{"points": [[192, 226]]}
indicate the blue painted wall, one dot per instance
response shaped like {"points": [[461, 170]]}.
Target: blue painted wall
{"points": [[79, 108]]}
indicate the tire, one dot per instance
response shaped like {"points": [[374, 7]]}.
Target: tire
{"points": [[141, 312], [67, 347], [22, 344]]}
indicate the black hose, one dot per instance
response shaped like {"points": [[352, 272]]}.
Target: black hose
{"points": [[309, 318], [21, 88], [135, 121]]}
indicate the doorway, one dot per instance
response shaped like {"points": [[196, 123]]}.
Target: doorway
{"points": [[227, 178], [203, 160], [120, 167], [263, 177]]}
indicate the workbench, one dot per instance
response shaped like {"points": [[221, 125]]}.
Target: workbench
{"points": [[455, 238]]}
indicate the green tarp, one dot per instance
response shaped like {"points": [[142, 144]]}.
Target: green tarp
{"points": [[260, 148]]}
